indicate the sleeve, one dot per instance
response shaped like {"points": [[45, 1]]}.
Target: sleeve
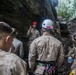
{"points": [[32, 55], [38, 34], [29, 33], [21, 50], [60, 55], [21, 67]]}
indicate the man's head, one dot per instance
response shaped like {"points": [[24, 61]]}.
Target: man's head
{"points": [[34, 25], [7, 35], [47, 26]]}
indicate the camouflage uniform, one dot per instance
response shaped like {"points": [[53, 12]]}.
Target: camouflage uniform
{"points": [[32, 34], [17, 48], [73, 54], [73, 51], [45, 48], [10, 64]]}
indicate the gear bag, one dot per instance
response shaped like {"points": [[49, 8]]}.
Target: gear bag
{"points": [[49, 67]]}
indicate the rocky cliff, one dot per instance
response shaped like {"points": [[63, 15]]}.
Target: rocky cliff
{"points": [[21, 13]]}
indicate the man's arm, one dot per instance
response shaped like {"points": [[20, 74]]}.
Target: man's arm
{"points": [[29, 32], [38, 35], [32, 56]]}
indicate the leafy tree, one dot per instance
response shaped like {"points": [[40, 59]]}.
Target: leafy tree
{"points": [[67, 11], [74, 5]]}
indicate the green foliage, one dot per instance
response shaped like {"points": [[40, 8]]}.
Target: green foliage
{"points": [[74, 4], [67, 11]]}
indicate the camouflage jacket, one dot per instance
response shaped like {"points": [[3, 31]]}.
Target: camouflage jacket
{"points": [[33, 34], [45, 48], [73, 54], [10, 64], [17, 48]]}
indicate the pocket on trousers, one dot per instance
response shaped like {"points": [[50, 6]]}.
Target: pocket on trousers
{"points": [[39, 70]]}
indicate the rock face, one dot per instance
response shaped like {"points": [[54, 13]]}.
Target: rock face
{"points": [[72, 26], [21, 13]]}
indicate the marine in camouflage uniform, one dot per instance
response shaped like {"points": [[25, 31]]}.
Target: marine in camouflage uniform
{"points": [[10, 64], [33, 33], [73, 51], [45, 49], [17, 48]]}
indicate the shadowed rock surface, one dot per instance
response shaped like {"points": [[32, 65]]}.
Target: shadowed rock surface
{"points": [[21, 13]]}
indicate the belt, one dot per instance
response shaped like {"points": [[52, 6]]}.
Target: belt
{"points": [[49, 67], [40, 64], [46, 62]]}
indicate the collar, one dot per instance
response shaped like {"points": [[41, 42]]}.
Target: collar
{"points": [[2, 50]]}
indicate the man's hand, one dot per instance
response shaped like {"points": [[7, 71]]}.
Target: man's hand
{"points": [[30, 27]]}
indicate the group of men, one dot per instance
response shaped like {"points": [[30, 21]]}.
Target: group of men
{"points": [[46, 53]]}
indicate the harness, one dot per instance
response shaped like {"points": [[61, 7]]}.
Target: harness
{"points": [[49, 67]]}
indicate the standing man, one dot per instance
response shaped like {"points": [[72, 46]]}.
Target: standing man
{"points": [[17, 48], [72, 52], [33, 33], [10, 64], [45, 52]]}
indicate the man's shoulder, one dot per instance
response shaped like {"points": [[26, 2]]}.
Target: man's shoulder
{"points": [[51, 39], [39, 38], [7, 56], [11, 55], [16, 42], [37, 30], [55, 40], [44, 38]]}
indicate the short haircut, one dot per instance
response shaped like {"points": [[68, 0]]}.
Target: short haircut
{"points": [[48, 30], [6, 28]]}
